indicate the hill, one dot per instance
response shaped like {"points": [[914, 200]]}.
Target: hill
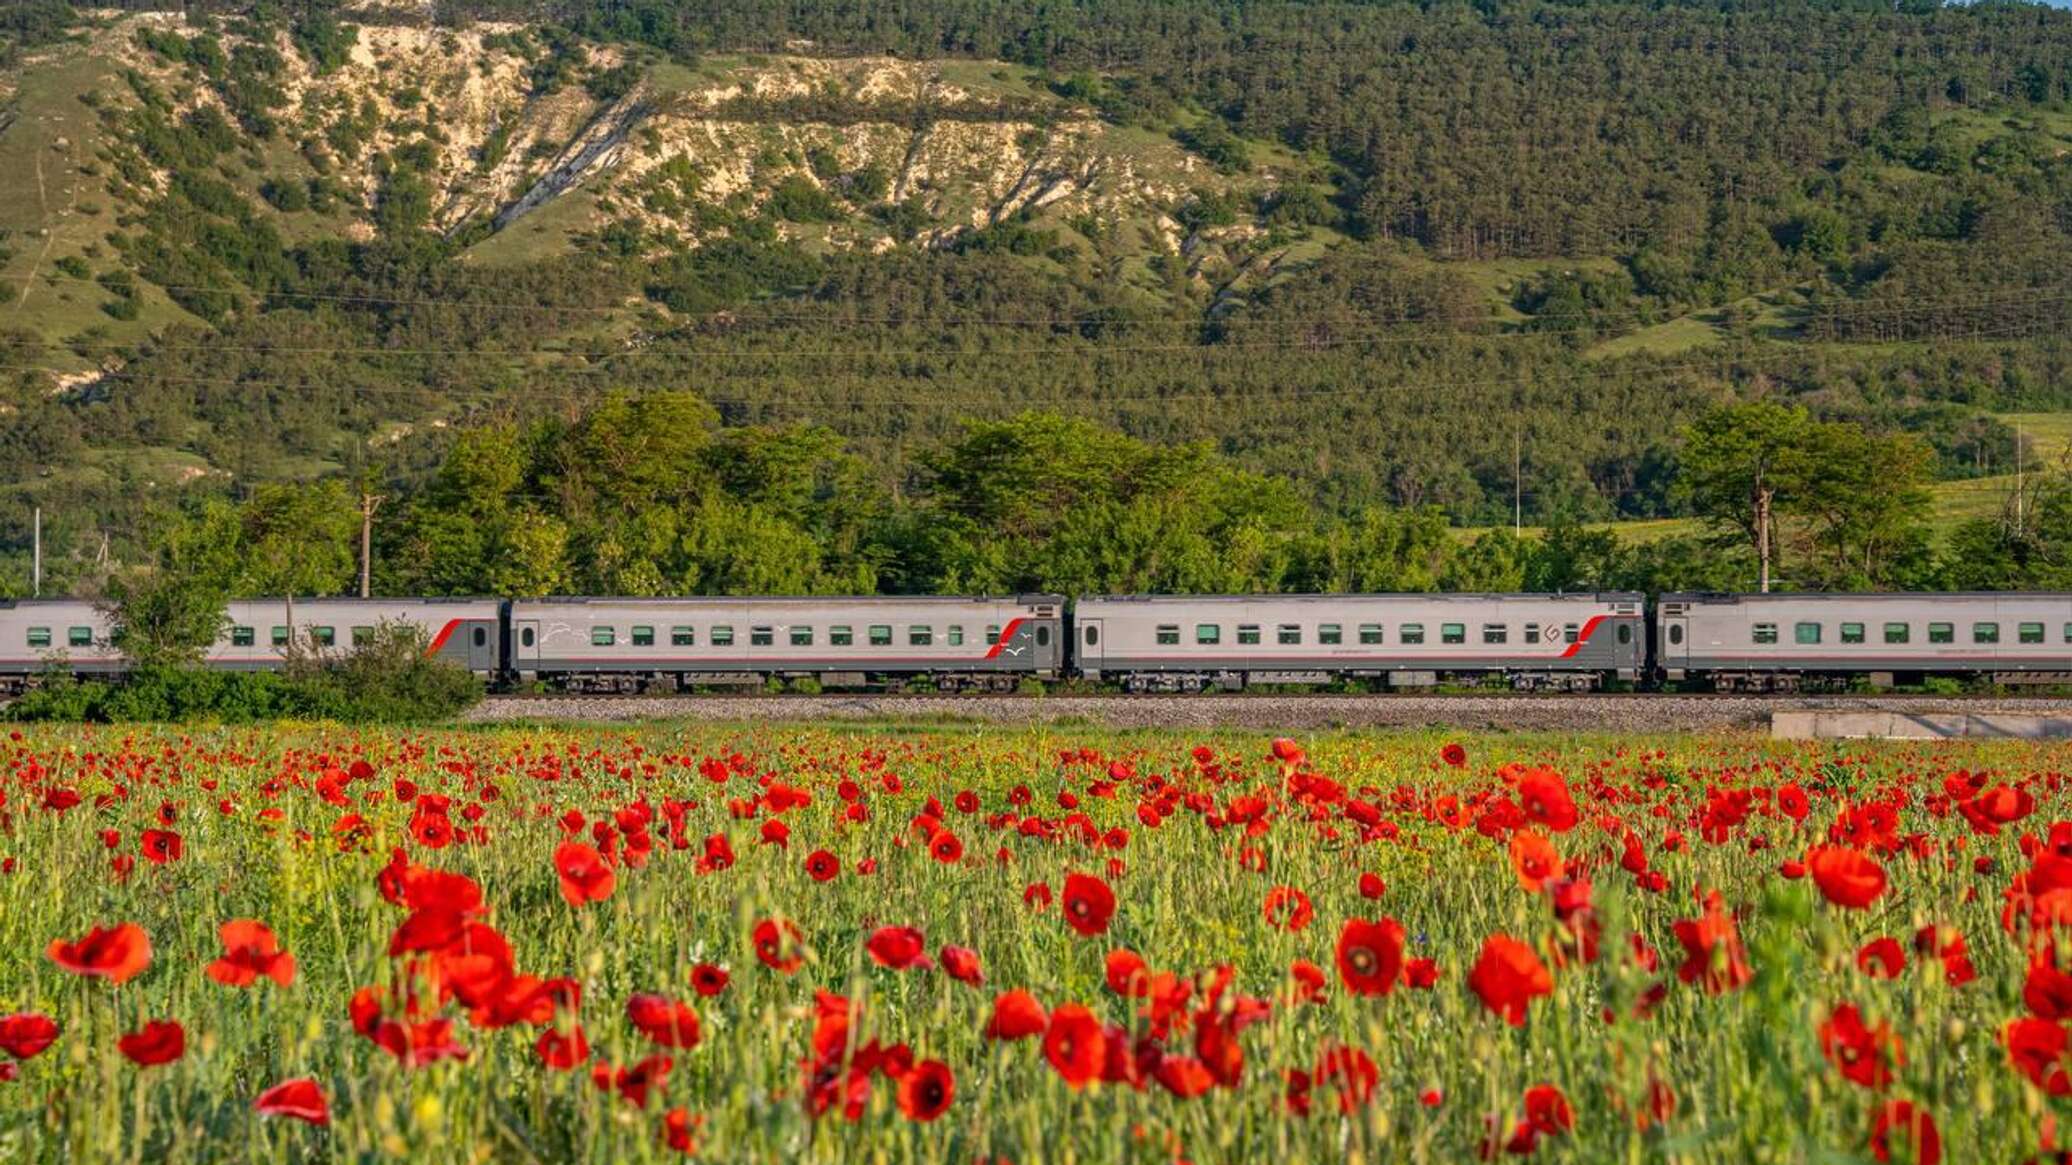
{"points": [[1396, 256]]}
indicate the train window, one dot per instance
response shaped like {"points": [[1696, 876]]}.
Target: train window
{"points": [[643, 636], [761, 637], [1532, 632], [1370, 633], [723, 635], [1805, 633], [1412, 634], [1942, 633], [362, 634], [481, 637], [1330, 634], [79, 636], [1289, 633], [1985, 632], [2068, 632], [1898, 632], [323, 636], [40, 636], [1208, 633], [802, 637], [1248, 634], [956, 635], [881, 634], [1453, 632], [1169, 633], [920, 635], [1625, 633], [1043, 635], [1763, 633], [992, 634], [1569, 633], [1675, 634], [1093, 636], [683, 637], [603, 636], [278, 636], [2029, 632], [242, 637], [841, 635], [1852, 633], [1495, 633]]}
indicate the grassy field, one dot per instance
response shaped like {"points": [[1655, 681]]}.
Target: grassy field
{"points": [[1046, 945]]}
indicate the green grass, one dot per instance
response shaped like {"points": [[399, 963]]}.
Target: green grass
{"points": [[259, 840]]}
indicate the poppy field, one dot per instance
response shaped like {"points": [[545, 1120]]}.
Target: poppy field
{"points": [[1059, 945]]}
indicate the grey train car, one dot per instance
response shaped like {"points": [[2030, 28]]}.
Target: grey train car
{"points": [[1173, 643], [1781, 642], [661, 644], [465, 632], [38, 634]]}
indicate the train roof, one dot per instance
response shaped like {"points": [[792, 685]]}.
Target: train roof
{"points": [[1851, 596], [575, 600], [1436, 596]]}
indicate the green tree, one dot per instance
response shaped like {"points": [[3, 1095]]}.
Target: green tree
{"points": [[1738, 462]]}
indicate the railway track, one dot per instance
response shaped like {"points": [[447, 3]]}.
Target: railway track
{"points": [[1595, 713]]}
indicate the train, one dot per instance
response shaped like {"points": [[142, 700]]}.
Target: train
{"points": [[1777, 642]]}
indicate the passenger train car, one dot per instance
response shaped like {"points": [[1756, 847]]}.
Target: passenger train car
{"points": [[1187, 643], [1533, 642], [624, 645], [1781, 642]]}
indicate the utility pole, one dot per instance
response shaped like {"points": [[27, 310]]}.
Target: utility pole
{"points": [[369, 501], [1517, 481], [1763, 493], [2018, 515], [36, 555]]}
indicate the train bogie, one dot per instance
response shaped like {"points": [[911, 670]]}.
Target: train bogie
{"points": [[1188, 643]]}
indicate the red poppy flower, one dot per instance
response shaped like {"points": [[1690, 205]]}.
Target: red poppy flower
{"points": [[585, 876], [1016, 1015], [2047, 991], [1507, 976], [823, 866], [117, 954], [250, 950], [926, 1090], [1371, 886], [161, 1041], [1548, 1111], [1712, 949], [1089, 904], [300, 1099], [1036, 896], [1882, 958], [898, 947], [1075, 1044], [945, 847], [1864, 1055], [160, 846], [1454, 755], [1534, 860], [708, 980], [1352, 1072], [679, 1130], [1847, 877], [1309, 981], [2036, 1047], [633, 1084], [1911, 1126], [26, 1034], [1422, 974], [665, 1021], [777, 944], [1287, 751], [560, 1051], [1370, 955], [1544, 795], [1287, 908], [961, 964]]}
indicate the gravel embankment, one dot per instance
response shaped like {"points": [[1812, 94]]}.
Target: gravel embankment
{"points": [[1526, 713]]}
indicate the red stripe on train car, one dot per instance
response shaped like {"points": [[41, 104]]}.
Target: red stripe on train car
{"points": [[1006, 633], [1589, 628], [445, 633]]}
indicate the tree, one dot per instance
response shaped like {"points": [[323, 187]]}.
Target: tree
{"points": [[1865, 498], [168, 613], [1737, 462]]}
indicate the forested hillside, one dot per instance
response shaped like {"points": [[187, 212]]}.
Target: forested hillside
{"points": [[1342, 271]]}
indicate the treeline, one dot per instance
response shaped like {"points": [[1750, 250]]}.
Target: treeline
{"points": [[648, 495]]}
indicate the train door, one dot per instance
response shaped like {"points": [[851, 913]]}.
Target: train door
{"points": [[1676, 643], [525, 647], [1090, 646], [481, 647]]}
